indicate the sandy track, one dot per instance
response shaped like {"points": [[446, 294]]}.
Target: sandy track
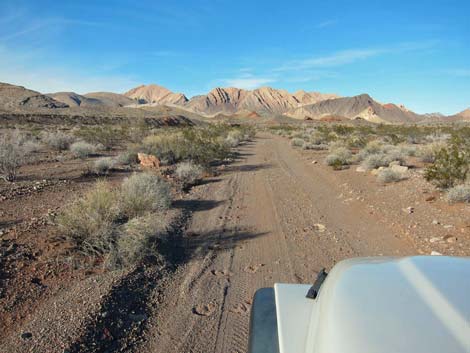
{"points": [[270, 218]]}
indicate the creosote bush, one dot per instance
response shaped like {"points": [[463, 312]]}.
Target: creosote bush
{"points": [[451, 165]]}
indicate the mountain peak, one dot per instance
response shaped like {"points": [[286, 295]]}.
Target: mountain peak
{"points": [[155, 94]]}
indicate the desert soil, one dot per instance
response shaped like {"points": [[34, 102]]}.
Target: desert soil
{"points": [[272, 216]]}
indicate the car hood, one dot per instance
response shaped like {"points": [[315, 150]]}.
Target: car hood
{"points": [[414, 304]]}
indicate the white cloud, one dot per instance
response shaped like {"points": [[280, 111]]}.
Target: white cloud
{"points": [[350, 56], [326, 23], [248, 82]]}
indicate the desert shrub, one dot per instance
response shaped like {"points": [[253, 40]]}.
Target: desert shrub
{"points": [[12, 156], [338, 157], [375, 161], [189, 173], [128, 157], [107, 136], [408, 150], [58, 140], [459, 193], [317, 138], [310, 146], [451, 165], [138, 239], [297, 142], [31, 146], [234, 138], [103, 165], [389, 175], [428, 153], [143, 193], [82, 149], [89, 221]]}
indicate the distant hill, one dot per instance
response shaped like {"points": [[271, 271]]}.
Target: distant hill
{"points": [[154, 94], [462, 116], [357, 107], [75, 100], [16, 97], [111, 99], [264, 100]]}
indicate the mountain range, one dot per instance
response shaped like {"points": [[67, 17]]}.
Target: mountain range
{"points": [[231, 101]]}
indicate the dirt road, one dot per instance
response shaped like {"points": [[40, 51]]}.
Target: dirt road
{"points": [[271, 217]]}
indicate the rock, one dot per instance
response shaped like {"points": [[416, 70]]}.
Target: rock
{"points": [[26, 336], [320, 227], [436, 253], [314, 162], [361, 169], [394, 163], [435, 222], [148, 161], [450, 238], [430, 198], [409, 210], [448, 226], [434, 239], [399, 168], [376, 171]]}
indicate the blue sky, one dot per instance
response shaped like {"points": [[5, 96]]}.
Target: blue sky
{"points": [[412, 52]]}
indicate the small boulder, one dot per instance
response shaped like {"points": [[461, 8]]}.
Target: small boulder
{"points": [[399, 168], [148, 161]]}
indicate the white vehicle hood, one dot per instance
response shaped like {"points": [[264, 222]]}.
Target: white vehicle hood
{"points": [[386, 305]]}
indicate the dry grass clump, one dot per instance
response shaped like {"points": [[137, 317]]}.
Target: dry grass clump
{"points": [[118, 224], [297, 142], [339, 157], [389, 175], [58, 140], [89, 221], [128, 157], [82, 149], [459, 193], [12, 156], [104, 165], [137, 240], [189, 173], [143, 193]]}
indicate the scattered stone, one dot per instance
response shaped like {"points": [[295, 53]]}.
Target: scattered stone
{"points": [[448, 226], [320, 227], [26, 336], [450, 238], [204, 309], [430, 198], [314, 162], [434, 239], [436, 253], [253, 268], [361, 169], [409, 210], [435, 222]]}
